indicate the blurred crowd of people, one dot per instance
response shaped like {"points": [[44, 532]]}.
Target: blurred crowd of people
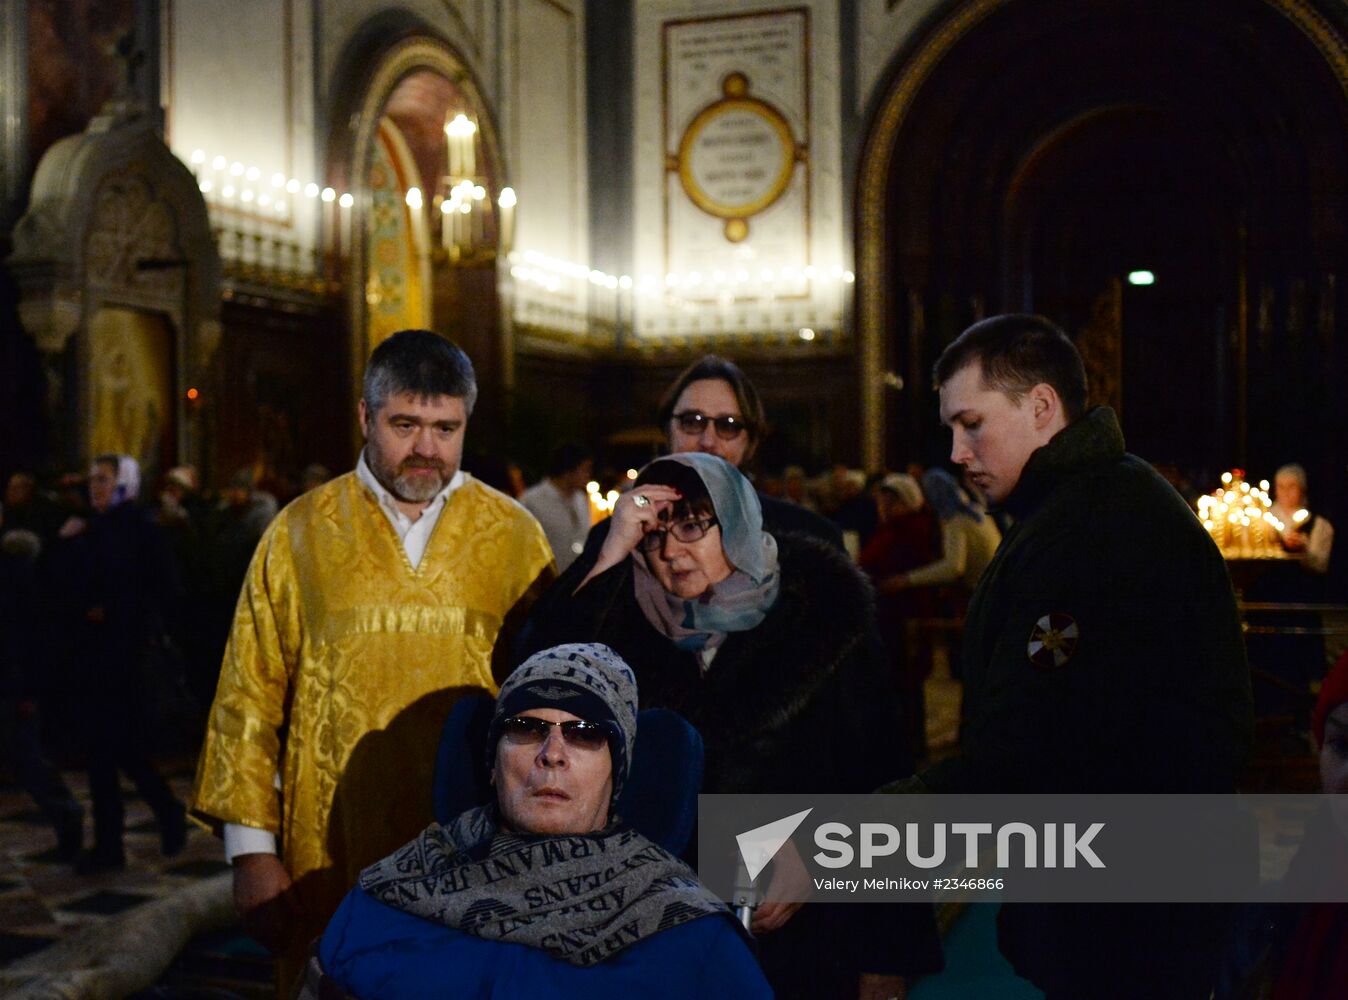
{"points": [[116, 602], [175, 557]]}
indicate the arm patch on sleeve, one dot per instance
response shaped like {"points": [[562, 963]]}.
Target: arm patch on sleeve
{"points": [[1053, 640]]}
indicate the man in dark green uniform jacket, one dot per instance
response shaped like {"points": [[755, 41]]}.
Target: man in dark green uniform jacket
{"points": [[1102, 648]]}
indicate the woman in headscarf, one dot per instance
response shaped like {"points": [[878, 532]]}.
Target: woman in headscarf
{"points": [[907, 537], [767, 645], [968, 539]]}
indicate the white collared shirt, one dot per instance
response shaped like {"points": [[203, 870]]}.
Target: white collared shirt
{"points": [[565, 519], [414, 535]]}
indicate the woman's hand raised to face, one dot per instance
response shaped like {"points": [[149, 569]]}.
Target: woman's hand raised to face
{"points": [[636, 512]]}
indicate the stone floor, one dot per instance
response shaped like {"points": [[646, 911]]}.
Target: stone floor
{"points": [[43, 901]]}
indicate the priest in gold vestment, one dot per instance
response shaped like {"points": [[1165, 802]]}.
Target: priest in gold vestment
{"points": [[372, 604]]}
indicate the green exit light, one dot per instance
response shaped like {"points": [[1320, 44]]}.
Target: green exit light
{"points": [[1141, 278]]}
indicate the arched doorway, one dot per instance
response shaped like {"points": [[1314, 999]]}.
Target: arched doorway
{"points": [[1029, 156], [426, 174]]}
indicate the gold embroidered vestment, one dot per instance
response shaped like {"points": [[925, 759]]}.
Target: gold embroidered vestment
{"points": [[342, 664]]}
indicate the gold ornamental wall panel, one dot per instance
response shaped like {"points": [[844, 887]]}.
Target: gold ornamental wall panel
{"points": [[735, 102]]}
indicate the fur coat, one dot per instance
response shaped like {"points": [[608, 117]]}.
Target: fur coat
{"points": [[792, 706], [802, 703]]}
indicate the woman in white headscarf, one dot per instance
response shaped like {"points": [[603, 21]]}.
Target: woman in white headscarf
{"points": [[968, 539]]}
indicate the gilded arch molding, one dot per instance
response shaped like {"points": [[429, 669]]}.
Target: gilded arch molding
{"points": [[877, 159], [406, 57]]}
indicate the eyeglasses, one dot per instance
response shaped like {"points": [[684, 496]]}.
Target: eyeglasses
{"points": [[683, 531], [525, 729], [695, 422]]}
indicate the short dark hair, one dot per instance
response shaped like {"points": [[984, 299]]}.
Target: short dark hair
{"points": [[1018, 351], [566, 456], [712, 366], [420, 362], [696, 500]]}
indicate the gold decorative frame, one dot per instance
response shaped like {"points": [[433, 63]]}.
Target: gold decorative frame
{"points": [[672, 161], [736, 90], [877, 161], [402, 59]]}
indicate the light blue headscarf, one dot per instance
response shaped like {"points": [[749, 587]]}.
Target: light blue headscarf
{"points": [[742, 600], [945, 496]]}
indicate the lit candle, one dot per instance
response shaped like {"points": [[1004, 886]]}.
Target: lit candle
{"points": [[329, 197], [452, 139], [345, 202], [507, 203]]}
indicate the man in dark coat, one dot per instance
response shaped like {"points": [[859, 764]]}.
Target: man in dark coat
{"points": [[116, 575], [24, 668], [1102, 649]]}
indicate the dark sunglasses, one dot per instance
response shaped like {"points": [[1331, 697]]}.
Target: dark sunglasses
{"points": [[575, 732], [683, 531], [695, 422]]}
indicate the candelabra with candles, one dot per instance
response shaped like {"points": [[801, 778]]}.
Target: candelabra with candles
{"points": [[464, 203], [1240, 519]]}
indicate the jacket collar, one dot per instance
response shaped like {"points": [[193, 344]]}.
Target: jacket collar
{"points": [[1092, 441]]}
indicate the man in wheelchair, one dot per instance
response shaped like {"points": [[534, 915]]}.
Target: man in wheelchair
{"points": [[545, 887]]}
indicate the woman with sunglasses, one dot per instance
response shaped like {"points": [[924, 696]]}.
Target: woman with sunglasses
{"points": [[766, 643], [714, 409], [711, 408]]}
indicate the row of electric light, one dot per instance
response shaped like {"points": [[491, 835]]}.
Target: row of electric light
{"points": [[237, 176], [537, 268], [541, 269], [461, 198], [742, 276]]}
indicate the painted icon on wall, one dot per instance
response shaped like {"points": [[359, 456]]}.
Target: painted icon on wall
{"points": [[131, 385]]}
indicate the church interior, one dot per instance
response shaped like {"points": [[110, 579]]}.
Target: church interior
{"points": [[211, 213]]}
